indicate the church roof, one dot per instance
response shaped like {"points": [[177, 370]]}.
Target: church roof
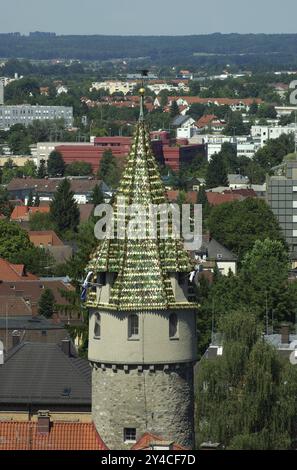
{"points": [[142, 265]]}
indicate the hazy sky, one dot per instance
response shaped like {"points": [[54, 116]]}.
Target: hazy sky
{"points": [[148, 17]]}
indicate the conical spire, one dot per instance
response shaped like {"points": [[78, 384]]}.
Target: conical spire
{"points": [[143, 266]]}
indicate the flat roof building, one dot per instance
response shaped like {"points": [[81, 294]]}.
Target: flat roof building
{"points": [[26, 114]]}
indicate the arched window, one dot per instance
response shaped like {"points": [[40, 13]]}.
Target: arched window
{"points": [[133, 327], [173, 326], [97, 326]]}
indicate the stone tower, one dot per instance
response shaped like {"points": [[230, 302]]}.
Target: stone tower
{"points": [[142, 326]]}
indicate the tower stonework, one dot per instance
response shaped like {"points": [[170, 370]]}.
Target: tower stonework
{"points": [[142, 325]]}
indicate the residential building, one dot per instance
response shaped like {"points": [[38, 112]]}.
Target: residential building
{"points": [[45, 376], [149, 320], [264, 133], [211, 254], [49, 241], [26, 114], [244, 145], [18, 324], [114, 86], [14, 272], [20, 188], [23, 213], [29, 292], [47, 434], [235, 104], [238, 181], [282, 198]]}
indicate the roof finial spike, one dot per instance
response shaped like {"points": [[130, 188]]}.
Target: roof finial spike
{"points": [[144, 73]]}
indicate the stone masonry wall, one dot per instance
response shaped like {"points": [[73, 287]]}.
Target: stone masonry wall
{"points": [[159, 401]]}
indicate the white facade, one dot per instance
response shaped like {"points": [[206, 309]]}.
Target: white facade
{"points": [[186, 132], [114, 86], [26, 114], [158, 87], [245, 146], [264, 133]]}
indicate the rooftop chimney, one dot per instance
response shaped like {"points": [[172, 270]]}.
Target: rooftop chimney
{"points": [[43, 422], [285, 334], [66, 347]]}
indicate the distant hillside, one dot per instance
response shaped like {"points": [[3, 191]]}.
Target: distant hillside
{"points": [[272, 49]]}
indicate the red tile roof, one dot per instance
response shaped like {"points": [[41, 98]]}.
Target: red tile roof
{"points": [[206, 120], [215, 199], [45, 238], [219, 101], [148, 438], [191, 196], [62, 436], [23, 212], [14, 272]]}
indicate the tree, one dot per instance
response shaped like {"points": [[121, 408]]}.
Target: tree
{"points": [[5, 207], [273, 152], [253, 108], [97, 196], [235, 125], [30, 199], [238, 224], [29, 169], [108, 171], [174, 110], [13, 240], [229, 155], [41, 221], [86, 243], [79, 169], [264, 275], [46, 304], [196, 110], [246, 398], [202, 199], [267, 111], [63, 208], [194, 87], [216, 174], [37, 200], [41, 173], [55, 164]]}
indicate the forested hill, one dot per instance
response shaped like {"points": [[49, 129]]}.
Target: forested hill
{"points": [[247, 48]]}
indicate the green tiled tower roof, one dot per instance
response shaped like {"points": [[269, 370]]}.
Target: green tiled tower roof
{"points": [[143, 266]]}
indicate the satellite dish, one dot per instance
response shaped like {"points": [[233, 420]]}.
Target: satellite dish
{"points": [[293, 357]]}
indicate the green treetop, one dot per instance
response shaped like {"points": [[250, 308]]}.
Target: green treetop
{"points": [[46, 304], [63, 208], [55, 164]]}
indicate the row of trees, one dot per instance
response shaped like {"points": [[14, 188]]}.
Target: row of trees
{"points": [[246, 399]]}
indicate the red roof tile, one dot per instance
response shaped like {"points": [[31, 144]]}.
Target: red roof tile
{"points": [[62, 436], [14, 272], [215, 199], [23, 212], [148, 438], [191, 196]]}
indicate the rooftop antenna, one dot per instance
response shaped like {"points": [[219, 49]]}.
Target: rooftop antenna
{"points": [[144, 73]]}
